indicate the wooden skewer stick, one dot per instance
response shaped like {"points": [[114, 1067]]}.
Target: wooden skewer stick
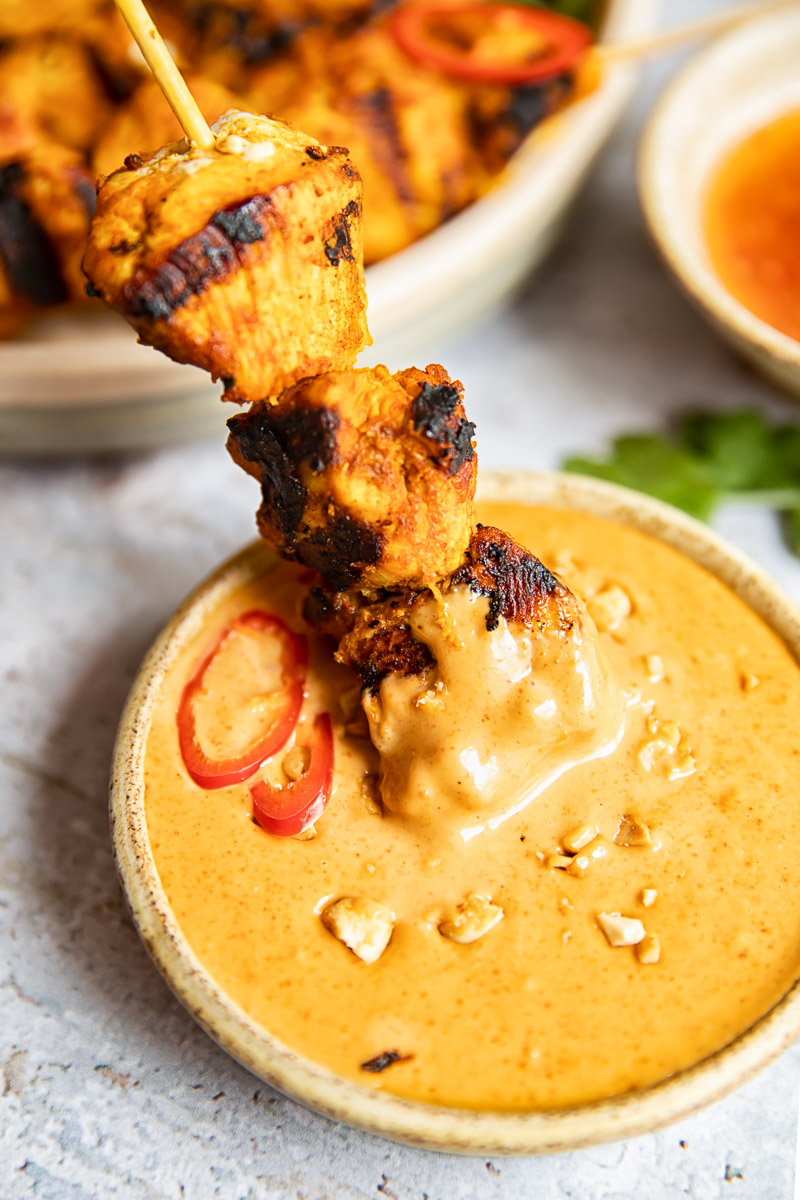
{"points": [[705, 27], [167, 75]]}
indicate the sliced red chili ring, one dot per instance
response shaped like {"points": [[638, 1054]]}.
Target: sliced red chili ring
{"points": [[218, 773], [289, 810], [418, 30]]}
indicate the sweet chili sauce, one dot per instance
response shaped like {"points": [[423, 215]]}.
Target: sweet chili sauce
{"points": [[752, 223]]}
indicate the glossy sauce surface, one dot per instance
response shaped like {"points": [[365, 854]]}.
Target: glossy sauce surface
{"points": [[752, 223], [541, 1011]]}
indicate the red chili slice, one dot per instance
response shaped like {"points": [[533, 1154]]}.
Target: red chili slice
{"points": [[286, 811], [219, 773], [420, 30]]}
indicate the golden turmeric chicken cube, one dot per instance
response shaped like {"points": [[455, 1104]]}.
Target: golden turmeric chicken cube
{"points": [[52, 86], [24, 18], [366, 476], [244, 259], [407, 128], [145, 121], [46, 202]]}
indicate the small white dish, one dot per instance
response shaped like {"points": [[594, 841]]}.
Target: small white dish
{"points": [[80, 383], [743, 81]]}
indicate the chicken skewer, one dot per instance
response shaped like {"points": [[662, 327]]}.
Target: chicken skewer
{"points": [[245, 258]]}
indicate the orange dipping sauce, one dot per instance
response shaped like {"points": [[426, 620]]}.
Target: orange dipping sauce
{"points": [[752, 223]]}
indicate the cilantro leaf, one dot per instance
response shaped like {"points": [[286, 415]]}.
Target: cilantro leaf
{"points": [[659, 467], [713, 457], [737, 448]]}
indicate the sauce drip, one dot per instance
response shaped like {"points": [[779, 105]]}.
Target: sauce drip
{"points": [[500, 716], [752, 223]]}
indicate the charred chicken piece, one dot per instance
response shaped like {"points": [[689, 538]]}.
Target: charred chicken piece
{"points": [[46, 202], [145, 121], [26, 18], [52, 86], [366, 476], [244, 260], [376, 639], [407, 128]]}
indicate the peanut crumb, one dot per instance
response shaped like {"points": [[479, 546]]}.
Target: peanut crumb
{"points": [[566, 935], [633, 831], [307, 835], [474, 917], [648, 950], [363, 925], [295, 763], [609, 607], [579, 865], [648, 897], [558, 862], [370, 792], [666, 749], [579, 837], [565, 905], [748, 681], [654, 665], [619, 930]]}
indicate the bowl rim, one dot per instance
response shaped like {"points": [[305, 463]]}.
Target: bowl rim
{"points": [[655, 168], [417, 1124]]}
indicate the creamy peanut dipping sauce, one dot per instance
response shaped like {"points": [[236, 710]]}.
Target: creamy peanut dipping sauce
{"points": [[678, 811]]}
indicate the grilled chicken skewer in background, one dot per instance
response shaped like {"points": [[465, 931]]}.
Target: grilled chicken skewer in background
{"points": [[246, 259]]}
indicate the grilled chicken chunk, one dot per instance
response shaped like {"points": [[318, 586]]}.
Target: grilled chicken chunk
{"points": [[366, 476], [244, 259], [376, 639], [25, 18], [145, 121], [407, 127], [51, 85], [46, 202]]}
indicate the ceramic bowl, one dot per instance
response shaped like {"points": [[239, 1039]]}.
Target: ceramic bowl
{"points": [[746, 78], [81, 383], [452, 1130]]}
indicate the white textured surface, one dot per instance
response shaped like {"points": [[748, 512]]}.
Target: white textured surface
{"points": [[107, 1088]]}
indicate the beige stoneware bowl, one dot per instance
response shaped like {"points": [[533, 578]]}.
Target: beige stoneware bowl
{"points": [[81, 383], [465, 1132], [746, 79]]}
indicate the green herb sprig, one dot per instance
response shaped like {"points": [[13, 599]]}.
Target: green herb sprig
{"points": [[712, 457]]}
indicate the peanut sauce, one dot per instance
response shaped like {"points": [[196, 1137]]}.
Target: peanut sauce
{"points": [[752, 223], [689, 828]]}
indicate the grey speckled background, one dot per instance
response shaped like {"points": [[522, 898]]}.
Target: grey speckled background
{"points": [[108, 1089]]}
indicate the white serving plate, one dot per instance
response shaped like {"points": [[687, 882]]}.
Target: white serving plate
{"points": [[81, 383]]}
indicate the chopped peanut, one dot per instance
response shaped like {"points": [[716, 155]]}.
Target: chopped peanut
{"points": [[564, 905], [295, 763], [363, 925], [474, 917], [649, 897], [307, 835], [748, 681], [558, 862], [609, 607], [370, 792], [667, 748], [633, 831], [654, 666], [579, 865], [648, 950], [621, 931], [577, 838]]}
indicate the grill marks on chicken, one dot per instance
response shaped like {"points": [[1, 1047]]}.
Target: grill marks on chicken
{"points": [[366, 476], [46, 202], [376, 639], [244, 260]]}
